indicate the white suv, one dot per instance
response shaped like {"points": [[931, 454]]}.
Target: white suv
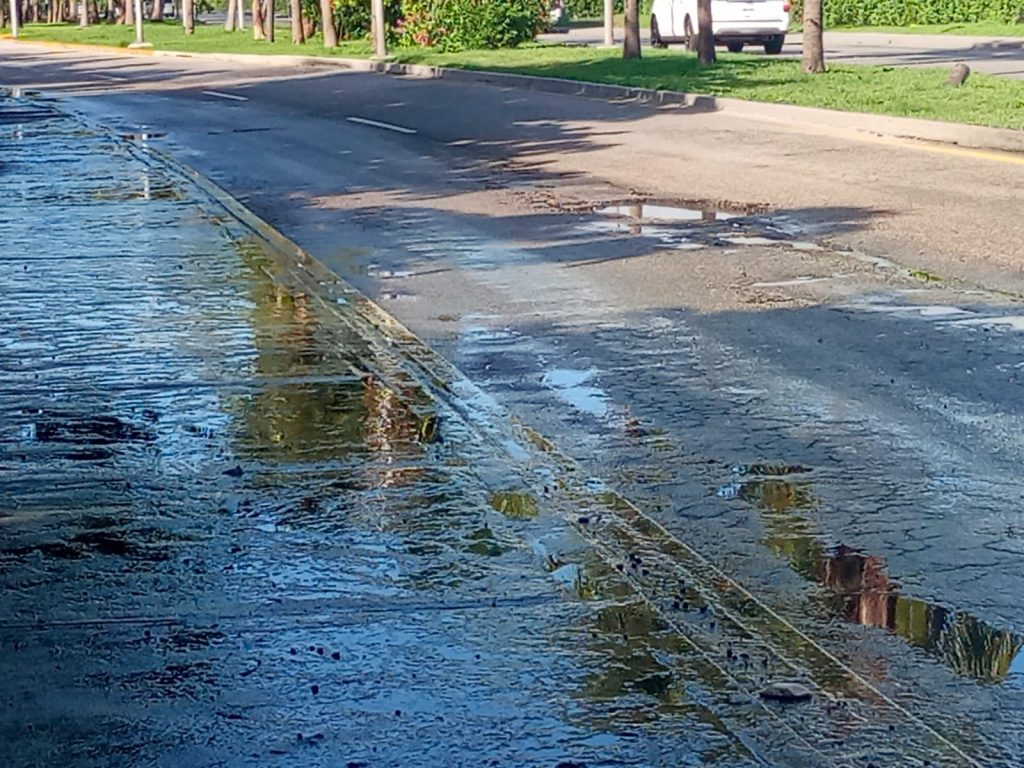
{"points": [[735, 23]]}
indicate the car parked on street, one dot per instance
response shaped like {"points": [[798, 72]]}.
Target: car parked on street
{"points": [[734, 22]]}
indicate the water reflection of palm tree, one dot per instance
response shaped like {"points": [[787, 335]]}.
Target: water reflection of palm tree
{"points": [[317, 406], [865, 593], [628, 636]]}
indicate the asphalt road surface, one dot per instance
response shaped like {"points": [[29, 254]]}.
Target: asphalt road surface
{"points": [[798, 352]]}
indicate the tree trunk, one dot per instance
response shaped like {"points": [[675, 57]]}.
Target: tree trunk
{"points": [[327, 22], [156, 13], [83, 13], [378, 28], [268, 17], [257, 21], [232, 17], [129, 12], [188, 16], [814, 46], [298, 38], [705, 34], [631, 43]]}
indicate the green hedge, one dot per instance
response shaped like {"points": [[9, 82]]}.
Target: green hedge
{"points": [[589, 9], [594, 9], [353, 16], [448, 25], [899, 13], [455, 25]]}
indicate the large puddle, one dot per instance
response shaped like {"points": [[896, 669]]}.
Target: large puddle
{"points": [[237, 529], [223, 491]]}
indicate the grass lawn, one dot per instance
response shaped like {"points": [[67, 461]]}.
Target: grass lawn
{"points": [[984, 100], [901, 91], [169, 36], [978, 29]]}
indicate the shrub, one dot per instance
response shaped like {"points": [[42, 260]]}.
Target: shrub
{"points": [[899, 13], [594, 9], [452, 25], [589, 9], [352, 17]]}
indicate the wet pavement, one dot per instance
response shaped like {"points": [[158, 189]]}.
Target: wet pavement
{"points": [[790, 464], [242, 524], [236, 530]]}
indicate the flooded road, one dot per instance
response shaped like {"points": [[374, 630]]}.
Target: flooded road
{"points": [[236, 530], [688, 450]]}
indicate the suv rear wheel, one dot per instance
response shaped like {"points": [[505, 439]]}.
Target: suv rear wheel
{"points": [[656, 40], [773, 45]]}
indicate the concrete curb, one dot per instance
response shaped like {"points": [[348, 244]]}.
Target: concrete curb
{"points": [[959, 134]]}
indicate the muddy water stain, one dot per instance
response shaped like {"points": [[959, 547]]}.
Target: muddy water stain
{"points": [[483, 542], [79, 437], [56, 426], [515, 504]]}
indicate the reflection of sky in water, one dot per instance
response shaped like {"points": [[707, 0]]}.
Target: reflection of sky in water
{"points": [[573, 386], [664, 213], [1016, 677]]}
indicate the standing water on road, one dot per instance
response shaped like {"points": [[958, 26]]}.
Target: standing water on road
{"points": [[234, 531], [240, 525]]}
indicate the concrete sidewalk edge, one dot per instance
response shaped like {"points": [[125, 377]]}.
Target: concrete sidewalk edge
{"points": [[960, 134]]}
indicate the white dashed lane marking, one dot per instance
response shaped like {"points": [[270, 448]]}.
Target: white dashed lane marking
{"points": [[229, 96], [385, 126]]}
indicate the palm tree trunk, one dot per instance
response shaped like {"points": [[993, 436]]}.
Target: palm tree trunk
{"points": [[258, 33], [631, 43], [814, 45], [298, 36], [327, 21], [232, 17], [705, 33]]}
